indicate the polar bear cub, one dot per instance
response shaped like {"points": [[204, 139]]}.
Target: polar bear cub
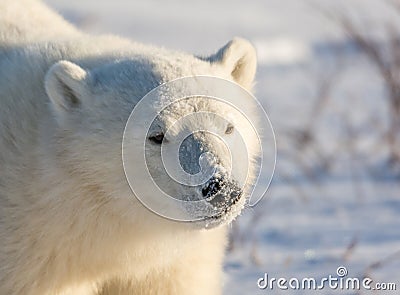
{"points": [[68, 221]]}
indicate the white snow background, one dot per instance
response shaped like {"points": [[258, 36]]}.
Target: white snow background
{"points": [[334, 200]]}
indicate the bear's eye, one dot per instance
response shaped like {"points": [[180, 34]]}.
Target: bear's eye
{"points": [[157, 138], [229, 129]]}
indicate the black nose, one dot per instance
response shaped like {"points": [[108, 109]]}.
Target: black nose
{"points": [[221, 193], [212, 187]]}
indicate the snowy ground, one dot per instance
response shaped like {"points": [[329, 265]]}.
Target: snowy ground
{"points": [[333, 202]]}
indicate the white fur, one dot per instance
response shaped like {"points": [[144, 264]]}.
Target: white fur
{"points": [[68, 222]]}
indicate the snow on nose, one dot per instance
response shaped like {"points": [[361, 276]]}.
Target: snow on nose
{"points": [[211, 188], [221, 192]]}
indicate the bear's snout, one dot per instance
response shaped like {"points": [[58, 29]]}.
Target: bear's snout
{"points": [[221, 192]]}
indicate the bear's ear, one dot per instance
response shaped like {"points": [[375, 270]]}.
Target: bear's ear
{"points": [[239, 58], [65, 84]]}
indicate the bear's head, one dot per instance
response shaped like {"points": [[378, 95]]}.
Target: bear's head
{"points": [[92, 100]]}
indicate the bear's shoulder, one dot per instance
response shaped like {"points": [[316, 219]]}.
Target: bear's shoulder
{"points": [[31, 21]]}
